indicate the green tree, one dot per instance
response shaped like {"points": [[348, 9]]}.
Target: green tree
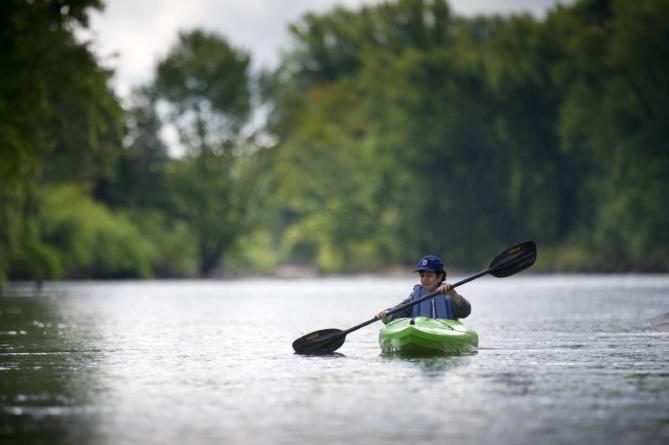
{"points": [[140, 180], [546, 185], [91, 241], [334, 45], [216, 185], [330, 197], [482, 131], [58, 121], [617, 99], [352, 196], [435, 119]]}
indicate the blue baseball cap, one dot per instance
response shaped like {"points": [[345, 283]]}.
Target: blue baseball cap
{"points": [[430, 263]]}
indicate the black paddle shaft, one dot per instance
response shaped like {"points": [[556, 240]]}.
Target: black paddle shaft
{"points": [[416, 301], [511, 261]]}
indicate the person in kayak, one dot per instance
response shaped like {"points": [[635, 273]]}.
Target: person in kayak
{"points": [[447, 305]]}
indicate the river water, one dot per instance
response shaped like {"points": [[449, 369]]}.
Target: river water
{"points": [[562, 360]]}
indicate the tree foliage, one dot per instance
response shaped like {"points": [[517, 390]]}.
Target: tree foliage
{"points": [[479, 132], [617, 97], [58, 120], [396, 130], [206, 83]]}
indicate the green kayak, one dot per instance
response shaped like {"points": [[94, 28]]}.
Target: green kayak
{"points": [[427, 336]]}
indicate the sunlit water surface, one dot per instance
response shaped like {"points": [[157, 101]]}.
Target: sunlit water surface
{"points": [[562, 360]]}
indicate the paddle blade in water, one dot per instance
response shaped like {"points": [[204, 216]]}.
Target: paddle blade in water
{"points": [[514, 259], [325, 341]]}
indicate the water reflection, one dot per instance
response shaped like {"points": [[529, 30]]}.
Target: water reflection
{"points": [[432, 367], [47, 378]]}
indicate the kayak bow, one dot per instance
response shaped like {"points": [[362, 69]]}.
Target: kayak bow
{"points": [[427, 336]]}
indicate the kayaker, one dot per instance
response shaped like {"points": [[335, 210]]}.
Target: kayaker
{"points": [[447, 305]]}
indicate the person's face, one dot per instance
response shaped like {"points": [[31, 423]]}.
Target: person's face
{"points": [[429, 280]]}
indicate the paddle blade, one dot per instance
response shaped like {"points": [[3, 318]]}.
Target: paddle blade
{"points": [[325, 341], [514, 259]]}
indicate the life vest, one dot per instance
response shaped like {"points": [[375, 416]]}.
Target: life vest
{"points": [[439, 306]]}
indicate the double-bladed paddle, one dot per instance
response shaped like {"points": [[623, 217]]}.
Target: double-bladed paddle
{"points": [[511, 261]]}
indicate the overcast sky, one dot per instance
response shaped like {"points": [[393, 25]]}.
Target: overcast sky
{"points": [[132, 35]]}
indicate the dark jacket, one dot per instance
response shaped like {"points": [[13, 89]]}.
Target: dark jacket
{"points": [[439, 306]]}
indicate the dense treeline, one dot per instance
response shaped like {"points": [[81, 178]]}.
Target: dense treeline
{"points": [[393, 130], [407, 129]]}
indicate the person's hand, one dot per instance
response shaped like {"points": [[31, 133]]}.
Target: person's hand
{"points": [[445, 288], [381, 315]]}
